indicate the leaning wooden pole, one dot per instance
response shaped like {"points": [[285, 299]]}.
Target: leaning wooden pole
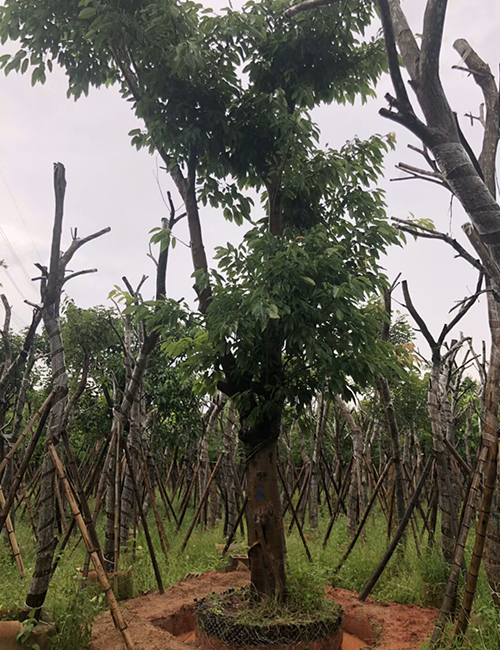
{"points": [[451, 587], [144, 521], [12, 538], [399, 533], [202, 502], [27, 429], [294, 515], [101, 573], [25, 462], [364, 517]]}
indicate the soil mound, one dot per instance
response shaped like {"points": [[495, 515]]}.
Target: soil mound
{"points": [[385, 625], [166, 622]]}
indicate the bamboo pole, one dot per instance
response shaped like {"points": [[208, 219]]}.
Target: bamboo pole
{"points": [[12, 538], [481, 530], [343, 492], [116, 522], [159, 524], [101, 573], [202, 501], [27, 429], [451, 587], [294, 515], [235, 527], [188, 496], [399, 533], [25, 462], [364, 517], [143, 519], [164, 495], [294, 488]]}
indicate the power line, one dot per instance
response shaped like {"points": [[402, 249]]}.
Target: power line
{"points": [[16, 258], [35, 249], [14, 284]]}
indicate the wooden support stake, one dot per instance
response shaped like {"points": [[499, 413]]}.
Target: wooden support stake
{"points": [[342, 494], [235, 527], [12, 538], [399, 533], [202, 501], [101, 573], [22, 469], [363, 518], [294, 515], [27, 429], [143, 519], [159, 524]]}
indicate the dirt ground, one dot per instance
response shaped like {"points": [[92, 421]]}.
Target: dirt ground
{"points": [[154, 619], [391, 626]]}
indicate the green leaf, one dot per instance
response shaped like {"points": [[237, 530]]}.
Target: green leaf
{"points": [[272, 311], [87, 13]]}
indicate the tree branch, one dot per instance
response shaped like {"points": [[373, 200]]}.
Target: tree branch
{"points": [[418, 319], [486, 81], [421, 231], [78, 243], [77, 273], [308, 5], [432, 38]]}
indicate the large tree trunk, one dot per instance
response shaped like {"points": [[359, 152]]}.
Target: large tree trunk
{"points": [[266, 537]]}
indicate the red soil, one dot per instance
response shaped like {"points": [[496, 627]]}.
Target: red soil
{"points": [[385, 626], [166, 622]]}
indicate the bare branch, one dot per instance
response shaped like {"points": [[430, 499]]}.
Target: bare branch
{"points": [[419, 320], [427, 233], [463, 310], [491, 121], [308, 5], [77, 273], [78, 243]]}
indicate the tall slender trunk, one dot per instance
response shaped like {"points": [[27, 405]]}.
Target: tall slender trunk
{"points": [[356, 497], [47, 540], [228, 433], [321, 415], [446, 501]]}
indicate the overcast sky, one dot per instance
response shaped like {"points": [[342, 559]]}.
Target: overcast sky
{"points": [[110, 183]]}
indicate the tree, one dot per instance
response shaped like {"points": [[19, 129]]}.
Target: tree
{"points": [[286, 315]]}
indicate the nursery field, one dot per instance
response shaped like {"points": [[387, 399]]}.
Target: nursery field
{"points": [[408, 580]]}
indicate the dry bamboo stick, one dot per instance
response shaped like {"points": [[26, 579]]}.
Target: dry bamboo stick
{"points": [[23, 435], [116, 524], [22, 468], [101, 573], [235, 527], [399, 533], [294, 515], [202, 501], [12, 538], [188, 496], [159, 524], [363, 518], [140, 510]]}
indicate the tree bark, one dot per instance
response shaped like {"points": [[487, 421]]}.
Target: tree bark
{"points": [[265, 523]]}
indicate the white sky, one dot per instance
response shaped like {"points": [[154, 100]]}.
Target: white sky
{"points": [[110, 183]]}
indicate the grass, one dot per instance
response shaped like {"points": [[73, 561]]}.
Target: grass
{"points": [[402, 581]]}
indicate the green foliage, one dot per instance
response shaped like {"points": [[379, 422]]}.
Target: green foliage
{"points": [[180, 63]]}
